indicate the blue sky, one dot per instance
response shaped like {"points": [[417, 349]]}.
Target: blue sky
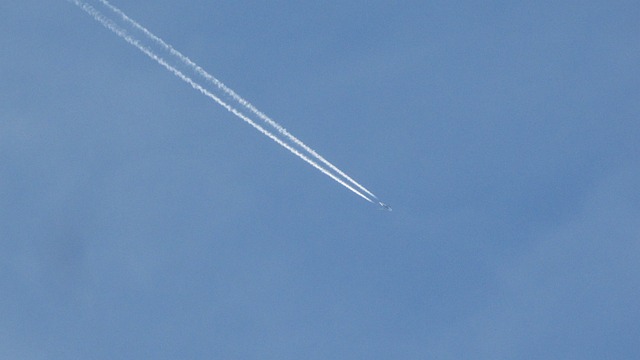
{"points": [[138, 219]]}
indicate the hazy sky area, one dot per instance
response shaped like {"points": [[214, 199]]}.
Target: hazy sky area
{"points": [[141, 220]]}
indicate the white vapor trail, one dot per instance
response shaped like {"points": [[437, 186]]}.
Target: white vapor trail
{"points": [[132, 41], [232, 94]]}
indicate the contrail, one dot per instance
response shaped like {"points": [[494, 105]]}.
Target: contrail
{"points": [[132, 41], [233, 94]]}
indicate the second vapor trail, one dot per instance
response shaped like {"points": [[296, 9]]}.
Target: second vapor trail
{"points": [[132, 41], [233, 94]]}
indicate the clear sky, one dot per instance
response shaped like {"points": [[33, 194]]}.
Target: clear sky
{"points": [[140, 220]]}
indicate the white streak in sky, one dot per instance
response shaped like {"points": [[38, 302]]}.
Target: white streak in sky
{"points": [[232, 94], [128, 38]]}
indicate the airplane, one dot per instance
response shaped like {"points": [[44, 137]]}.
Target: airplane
{"points": [[384, 206]]}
